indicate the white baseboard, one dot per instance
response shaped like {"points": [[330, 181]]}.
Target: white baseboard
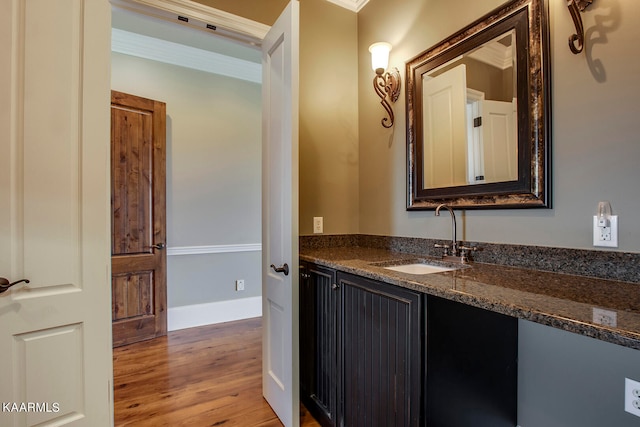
{"points": [[190, 316]]}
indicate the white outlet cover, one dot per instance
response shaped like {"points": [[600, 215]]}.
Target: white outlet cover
{"points": [[631, 401], [613, 243], [605, 317], [318, 225]]}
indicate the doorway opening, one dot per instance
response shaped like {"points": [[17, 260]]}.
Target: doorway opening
{"points": [[211, 86]]}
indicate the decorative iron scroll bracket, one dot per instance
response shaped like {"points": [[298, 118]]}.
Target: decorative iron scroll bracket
{"points": [[575, 7], [387, 84]]}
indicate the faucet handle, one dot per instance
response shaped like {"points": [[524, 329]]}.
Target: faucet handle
{"points": [[464, 252], [445, 247]]}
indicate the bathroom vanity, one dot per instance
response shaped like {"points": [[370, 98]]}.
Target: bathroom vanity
{"points": [[386, 347]]}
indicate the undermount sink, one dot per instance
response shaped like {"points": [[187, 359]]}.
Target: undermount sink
{"points": [[419, 268]]}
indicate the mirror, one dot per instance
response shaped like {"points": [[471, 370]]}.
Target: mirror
{"points": [[478, 119]]}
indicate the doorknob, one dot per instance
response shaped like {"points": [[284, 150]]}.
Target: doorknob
{"points": [[159, 246], [5, 284], [284, 269]]}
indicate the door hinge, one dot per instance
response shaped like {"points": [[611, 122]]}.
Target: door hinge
{"points": [[477, 122]]}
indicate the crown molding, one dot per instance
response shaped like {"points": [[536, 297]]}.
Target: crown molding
{"points": [[146, 47], [352, 5], [199, 16], [495, 54]]}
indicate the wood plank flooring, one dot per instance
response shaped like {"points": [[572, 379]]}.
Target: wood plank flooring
{"points": [[205, 376]]}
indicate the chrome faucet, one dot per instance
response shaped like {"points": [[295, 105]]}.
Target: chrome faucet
{"points": [[454, 252], [454, 241]]}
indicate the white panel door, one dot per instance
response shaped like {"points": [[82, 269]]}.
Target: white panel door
{"points": [[55, 338], [500, 141], [280, 216], [444, 99]]}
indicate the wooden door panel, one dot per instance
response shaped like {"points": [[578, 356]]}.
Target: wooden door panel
{"points": [[132, 295], [131, 173], [137, 218]]}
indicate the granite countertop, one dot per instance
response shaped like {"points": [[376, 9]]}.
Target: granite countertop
{"points": [[562, 301]]}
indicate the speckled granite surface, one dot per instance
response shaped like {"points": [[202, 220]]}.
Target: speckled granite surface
{"points": [[565, 301]]}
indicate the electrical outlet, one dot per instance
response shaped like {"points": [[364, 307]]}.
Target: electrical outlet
{"points": [[240, 285], [605, 317], [606, 236], [317, 224], [632, 397]]}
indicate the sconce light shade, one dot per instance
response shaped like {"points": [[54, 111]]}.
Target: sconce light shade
{"points": [[386, 84], [380, 56]]}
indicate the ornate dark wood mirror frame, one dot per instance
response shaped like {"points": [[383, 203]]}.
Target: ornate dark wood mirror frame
{"points": [[529, 20]]}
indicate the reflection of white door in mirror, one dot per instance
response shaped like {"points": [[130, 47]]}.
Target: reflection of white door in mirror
{"points": [[500, 141], [469, 126], [492, 140], [445, 138], [475, 150]]}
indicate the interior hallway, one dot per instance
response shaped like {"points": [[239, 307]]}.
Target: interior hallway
{"points": [[205, 376]]}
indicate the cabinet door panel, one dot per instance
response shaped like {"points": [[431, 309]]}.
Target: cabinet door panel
{"points": [[380, 353], [318, 342]]}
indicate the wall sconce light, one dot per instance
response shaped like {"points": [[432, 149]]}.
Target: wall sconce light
{"points": [[385, 83], [575, 7]]}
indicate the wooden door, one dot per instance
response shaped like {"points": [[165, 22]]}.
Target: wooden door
{"points": [[138, 226], [280, 377], [55, 334]]}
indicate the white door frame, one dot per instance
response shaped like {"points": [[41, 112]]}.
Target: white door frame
{"points": [[285, 401], [198, 15]]}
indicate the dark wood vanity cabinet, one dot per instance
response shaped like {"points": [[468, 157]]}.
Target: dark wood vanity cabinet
{"points": [[318, 342], [375, 354], [381, 352], [360, 350]]}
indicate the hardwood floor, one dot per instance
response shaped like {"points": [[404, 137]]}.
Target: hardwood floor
{"points": [[206, 376]]}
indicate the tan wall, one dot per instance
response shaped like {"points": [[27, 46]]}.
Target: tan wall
{"points": [[328, 117], [595, 146], [328, 108], [596, 149], [264, 11]]}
